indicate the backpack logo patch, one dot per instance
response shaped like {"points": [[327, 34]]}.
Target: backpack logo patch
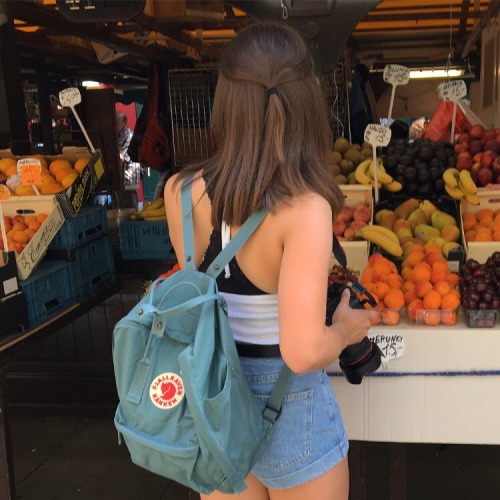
{"points": [[166, 390]]}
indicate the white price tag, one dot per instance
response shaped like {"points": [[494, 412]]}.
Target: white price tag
{"points": [[33, 163], [392, 345], [396, 74], [70, 97], [452, 91], [377, 135]]}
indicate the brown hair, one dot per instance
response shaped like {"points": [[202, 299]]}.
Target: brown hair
{"points": [[270, 123]]}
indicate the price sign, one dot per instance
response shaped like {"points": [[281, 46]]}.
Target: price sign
{"points": [[30, 171], [396, 74], [392, 345], [377, 135], [4, 192], [452, 91], [70, 97]]}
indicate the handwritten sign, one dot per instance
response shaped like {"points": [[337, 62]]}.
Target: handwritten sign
{"points": [[396, 74], [377, 135], [452, 91], [392, 345], [70, 97], [4, 192], [30, 171]]}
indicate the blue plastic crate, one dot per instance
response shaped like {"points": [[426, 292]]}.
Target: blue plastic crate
{"points": [[90, 223], [48, 290], [144, 240], [92, 266]]}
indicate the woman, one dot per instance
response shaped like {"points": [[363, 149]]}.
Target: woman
{"points": [[269, 120]]}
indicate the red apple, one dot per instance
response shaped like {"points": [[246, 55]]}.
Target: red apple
{"points": [[488, 135], [464, 137], [493, 145], [461, 147], [476, 131], [495, 166], [487, 158], [475, 146], [464, 162], [484, 176]]}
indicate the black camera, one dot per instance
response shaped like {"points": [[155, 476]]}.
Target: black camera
{"points": [[364, 357]]}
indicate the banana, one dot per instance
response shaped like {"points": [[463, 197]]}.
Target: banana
{"points": [[465, 182], [472, 199], [159, 202], [360, 174], [385, 231], [450, 177], [454, 192], [153, 218], [393, 186], [382, 176], [377, 238]]}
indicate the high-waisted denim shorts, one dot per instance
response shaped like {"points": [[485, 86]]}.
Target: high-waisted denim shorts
{"points": [[309, 436]]}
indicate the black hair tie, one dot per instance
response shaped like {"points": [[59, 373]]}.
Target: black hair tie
{"points": [[271, 90]]}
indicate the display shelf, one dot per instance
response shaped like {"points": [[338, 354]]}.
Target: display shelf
{"points": [[443, 388]]}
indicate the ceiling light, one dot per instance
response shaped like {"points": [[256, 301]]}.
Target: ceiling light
{"points": [[436, 73], [91, 84]]}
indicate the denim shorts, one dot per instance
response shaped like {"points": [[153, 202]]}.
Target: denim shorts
{"points": [[309, 436]]}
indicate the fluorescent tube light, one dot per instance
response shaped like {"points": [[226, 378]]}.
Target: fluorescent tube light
{"points": [[436, 73], [91, 84]]}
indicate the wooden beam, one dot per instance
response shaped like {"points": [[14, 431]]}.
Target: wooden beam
{"points": [[474, 36]]}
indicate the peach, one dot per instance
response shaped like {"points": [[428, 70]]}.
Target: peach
{"points": [[362, 213]]}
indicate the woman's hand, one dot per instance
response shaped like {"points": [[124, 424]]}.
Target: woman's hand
{"points": [[352, 324]]}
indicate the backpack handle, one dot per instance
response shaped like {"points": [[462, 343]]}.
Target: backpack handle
{"points": [[220, 262]]}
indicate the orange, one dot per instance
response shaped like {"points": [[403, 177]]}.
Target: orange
{"points": [[414, 309], [434, 256], [62, 173], [496, 235], [28, 192], [376, 320], [470, 235], [19, 226], [486, 221], [484, 237], [432, 246], [440, 265], [80, 164], [422, 287], [11, 171], [43, 161], [410, 296], [394, 299], [449, 317], [20, 237], [395, 281], [34, 226], [56, 165], [41, 218], [452, 279], [469, 221], [450, 301], [407, 273], [485, 212], [390, 317], [381, 289], [432, 318], [438, 276], [45, 179], [413, 259], [421, 272], [52, 188], [6, 163], [408, 285], [432, 300], [442, 287], [69, 179]]}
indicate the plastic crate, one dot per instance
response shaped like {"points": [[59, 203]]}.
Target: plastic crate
{"points": [[480, 318], [144, 240], [90, 223], [48, 290], [92, 266]]}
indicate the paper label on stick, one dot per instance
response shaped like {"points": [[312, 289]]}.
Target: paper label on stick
{"points": [[452, 91], [396, 74], [30, 171], [70, 97], [377, 135]]}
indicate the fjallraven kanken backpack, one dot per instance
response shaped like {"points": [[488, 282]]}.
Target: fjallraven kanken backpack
{"points": [[186, 411]]}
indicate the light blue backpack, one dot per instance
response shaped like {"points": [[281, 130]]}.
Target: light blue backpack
{"points": [[186, 411]]}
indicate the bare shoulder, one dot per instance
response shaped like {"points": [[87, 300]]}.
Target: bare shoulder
{"points": [[305, 208]]}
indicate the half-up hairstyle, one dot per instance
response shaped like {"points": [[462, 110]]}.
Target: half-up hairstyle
{"points": [[269, 120]]}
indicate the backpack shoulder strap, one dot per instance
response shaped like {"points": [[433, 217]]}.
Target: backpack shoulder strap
{"points": [[218, 264]]}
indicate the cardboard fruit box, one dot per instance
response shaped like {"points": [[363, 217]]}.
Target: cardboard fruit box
{"points": [[488, 199], [72, 199], [36, 248], [357, 252]]}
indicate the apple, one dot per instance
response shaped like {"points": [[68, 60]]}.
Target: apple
{"points": [[464, 161], [475, 146], [461, 147], [488, 135], [484, 176], [476, 131], [493, 145], [487, 158], [464, 137]]}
